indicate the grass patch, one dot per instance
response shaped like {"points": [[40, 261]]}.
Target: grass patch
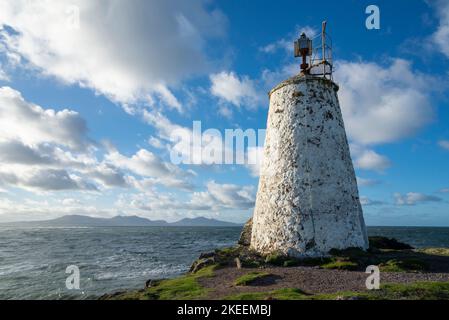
{"points": [[406, 265], [435, 251], [182, 288], [276, 259], [414, 291], [250, 278], [281, 294], [341, 265]]}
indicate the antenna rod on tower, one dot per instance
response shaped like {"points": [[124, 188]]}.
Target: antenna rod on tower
{"points": [[323, 39]]}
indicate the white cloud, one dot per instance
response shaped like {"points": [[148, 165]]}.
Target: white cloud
{"points": [[286, 44], [3, 75], [444, 144], [366, 182], [46, 180], [217, 198], [181, 140], [47, 150], [365, 201], [107, 176], [272, 78], [155, 142], [414, 198], [382, 104], [240, 91], [146, 164], [31, 124], [126, 51], [368, 159], [227, 196], [441, 36], [180, 143], [256, 156]]}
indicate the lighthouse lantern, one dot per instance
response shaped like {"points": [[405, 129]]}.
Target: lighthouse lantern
{"points": [[303, 48]]}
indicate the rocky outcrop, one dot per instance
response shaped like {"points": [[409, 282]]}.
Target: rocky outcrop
{"points": [[245, 236]]}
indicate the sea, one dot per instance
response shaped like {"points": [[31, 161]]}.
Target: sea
{"points": [[35, 263]]}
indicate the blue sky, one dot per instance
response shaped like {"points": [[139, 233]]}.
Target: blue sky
{"points": [[90, 92]]}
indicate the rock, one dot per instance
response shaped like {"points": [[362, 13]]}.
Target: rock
{"points": [[347, 298], [201, 263], [388, 243], [151, 283], [245, 236], [205, 255], [238, 263]]}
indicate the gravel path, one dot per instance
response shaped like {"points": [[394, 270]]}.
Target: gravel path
{"points": [[309, 279]]}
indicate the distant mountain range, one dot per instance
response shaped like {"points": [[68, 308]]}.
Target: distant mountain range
{"points": [[120, 221]]}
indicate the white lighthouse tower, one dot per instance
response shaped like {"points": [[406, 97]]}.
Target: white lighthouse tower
{"points": [[307, 201]]}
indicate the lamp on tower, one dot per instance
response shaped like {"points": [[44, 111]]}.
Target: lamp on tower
{"points": [[303, 48]]}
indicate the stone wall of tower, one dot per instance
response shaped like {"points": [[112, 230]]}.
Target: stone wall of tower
{"points": [[307, 201]]}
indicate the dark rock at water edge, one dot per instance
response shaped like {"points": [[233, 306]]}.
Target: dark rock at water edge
{"points": [[388, 243], [245, 236]]}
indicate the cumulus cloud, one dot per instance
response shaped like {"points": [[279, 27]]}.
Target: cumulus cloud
{"points": [[47, 150], [146, 164], [366, 182], [414, 198], [228, 196], [3, 75], [444, 144], [286, 44], [42, 149], [382, 104], [18, 153], [108, 176], [46, 180], [365, 201], [368, 159], [127, 51], [441, 36], [31, 124], [229, 87], [255, 160], [215, 197], [205, 146]]}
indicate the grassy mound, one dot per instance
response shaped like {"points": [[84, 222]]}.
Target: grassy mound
{"points": [[250, 278], [415, 291], [182, 288], [383, 252]]}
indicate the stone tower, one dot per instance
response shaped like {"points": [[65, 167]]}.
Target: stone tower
{"points": [[307, 201]]}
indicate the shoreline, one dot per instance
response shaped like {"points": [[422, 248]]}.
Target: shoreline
{"points": [[237, 273]]}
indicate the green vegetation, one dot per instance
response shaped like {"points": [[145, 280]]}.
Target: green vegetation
{"points": [[341, 265], [181, 288], [405, 265], [276, 259], [281, 294], [435, 251], [250, 278], [415, 291], [390, 254]]}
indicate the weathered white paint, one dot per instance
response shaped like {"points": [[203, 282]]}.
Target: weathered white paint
{"points": [[307, 201]]}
